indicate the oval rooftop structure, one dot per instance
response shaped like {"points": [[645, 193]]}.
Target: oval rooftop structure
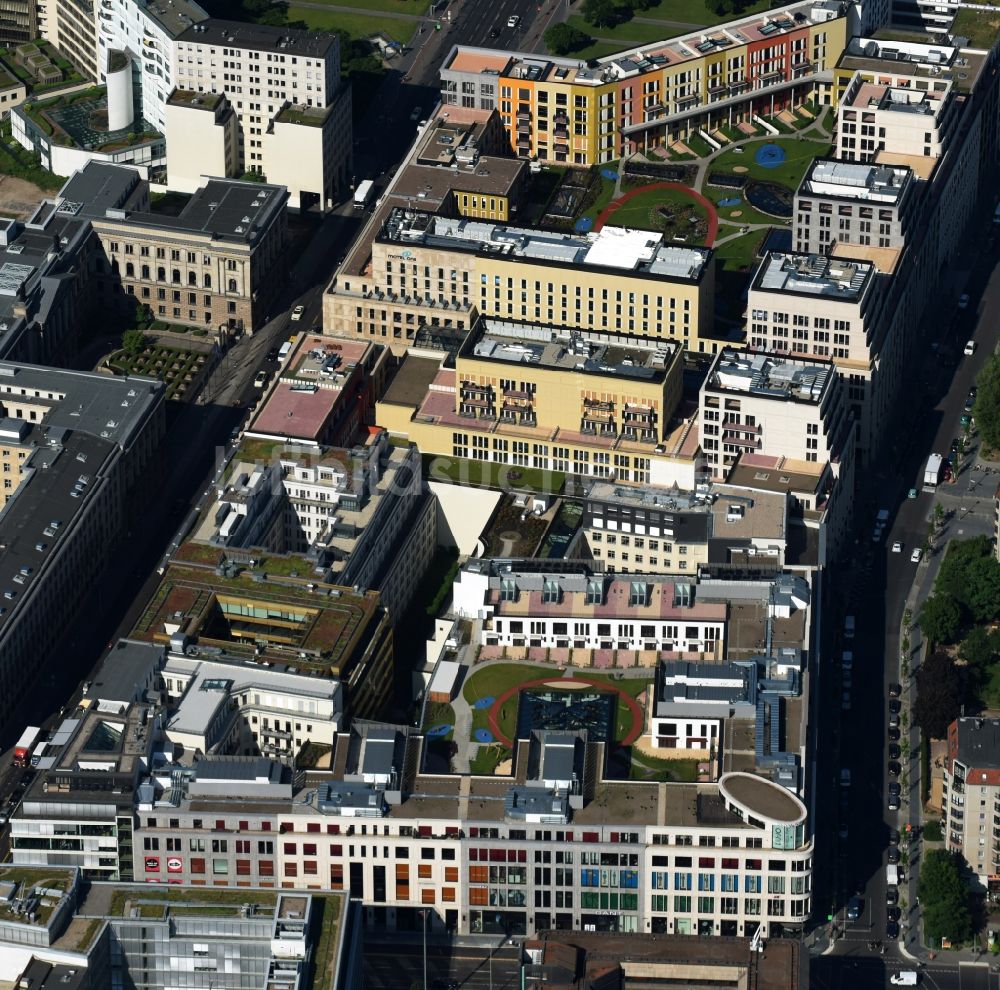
{"points": [[758, 799]]}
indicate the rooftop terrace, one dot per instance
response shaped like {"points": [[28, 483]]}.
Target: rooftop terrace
{"points": [[770, 376], [814, 275], [324, 626], [852, 180], [564, 350], [611, 248]]}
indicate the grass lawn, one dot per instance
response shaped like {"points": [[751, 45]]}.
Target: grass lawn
{"points": [[990, 694], [604, 194], [386, 6], [979, 26], [632, 686], [629, 34], [741, 252], [356, 25], [642, 211], [438, 714], [650, 768], [494, 680], [487, 758], [598, 50], [481, 474], [799, 153], [694, 11]]}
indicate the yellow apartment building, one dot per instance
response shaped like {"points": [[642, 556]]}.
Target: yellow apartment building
{"points": [[548, 398], [624, 285], [568, 111]]}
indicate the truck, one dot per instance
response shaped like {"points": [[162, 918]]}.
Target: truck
{"points": [[363, 194], [932, 472], [904, 978], [892, 875], [22, 749]]}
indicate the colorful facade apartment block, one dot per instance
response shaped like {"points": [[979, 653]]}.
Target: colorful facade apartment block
{"points": [[565, 110]]}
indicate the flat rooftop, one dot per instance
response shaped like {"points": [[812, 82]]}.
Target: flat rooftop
{"points": [[937, 62], [668, 958], [650, 57], [610, 249], [260, 37], [412, 380], [872, 183], [762, 514], [195, 101], [837, 279], [309, 388], [99, 187], [770, 376], [175, 16], [224, 209], [326, 624], [512, 342]]}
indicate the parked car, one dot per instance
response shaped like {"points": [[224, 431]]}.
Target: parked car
{"points": [[894, 787], [893, 732], [299, 310], [891, 895], [912, 493], [895, 689], [963, 301], [513, 21], [970, 348], [891, 930], [916, 556], [893, 854], [893, 913], [894, 751], [272, 354], [895, 706], [894, 837], [855, 906], [260, 380], [897, 547]]}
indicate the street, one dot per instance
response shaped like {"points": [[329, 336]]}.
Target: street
{"points": [[877, 587]]}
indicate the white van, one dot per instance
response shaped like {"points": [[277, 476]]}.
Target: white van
{"points": [[284, 349], [907, 978]]}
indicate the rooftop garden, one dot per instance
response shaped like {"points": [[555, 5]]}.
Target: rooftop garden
{"points": [[191, 897], [50, 56], [311, 116], [179, 369], [981, 27], [483, 474], [22, 164]]}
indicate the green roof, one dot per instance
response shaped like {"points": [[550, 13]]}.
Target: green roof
{"points": [[981, 27]]}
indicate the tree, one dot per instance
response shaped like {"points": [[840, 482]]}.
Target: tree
{"points": [[944, 897], [980, 650], [133, 342], [983, 583], [939, 697], [602, 13], [561, 39], [987, 407], [941, 618]]}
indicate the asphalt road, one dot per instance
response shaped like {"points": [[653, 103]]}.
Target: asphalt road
{"points": [[876, 586]]}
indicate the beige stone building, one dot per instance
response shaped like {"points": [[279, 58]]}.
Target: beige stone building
{"points": [[622, 284], [205, 139], [543, 397], [219, 263], [651, 531]]}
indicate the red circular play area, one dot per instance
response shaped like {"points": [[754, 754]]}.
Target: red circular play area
{"points": [[634, 708], [713, 216]]}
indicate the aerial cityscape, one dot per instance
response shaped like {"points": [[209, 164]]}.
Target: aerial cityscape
{"points": [[499, 494]]}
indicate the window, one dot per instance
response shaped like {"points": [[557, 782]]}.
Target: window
{"points": [[220, 867]]}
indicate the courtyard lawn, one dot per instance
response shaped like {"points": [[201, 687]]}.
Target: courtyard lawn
{"points": [[628, 35], [650, 768], [799, 153], [485, 474], [604, 194], [487, 758], [741, 252], [643, 212], [356, 25], [493, 681]]}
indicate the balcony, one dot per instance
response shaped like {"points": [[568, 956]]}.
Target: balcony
{"points": [[523, 115], [517, 393]]}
